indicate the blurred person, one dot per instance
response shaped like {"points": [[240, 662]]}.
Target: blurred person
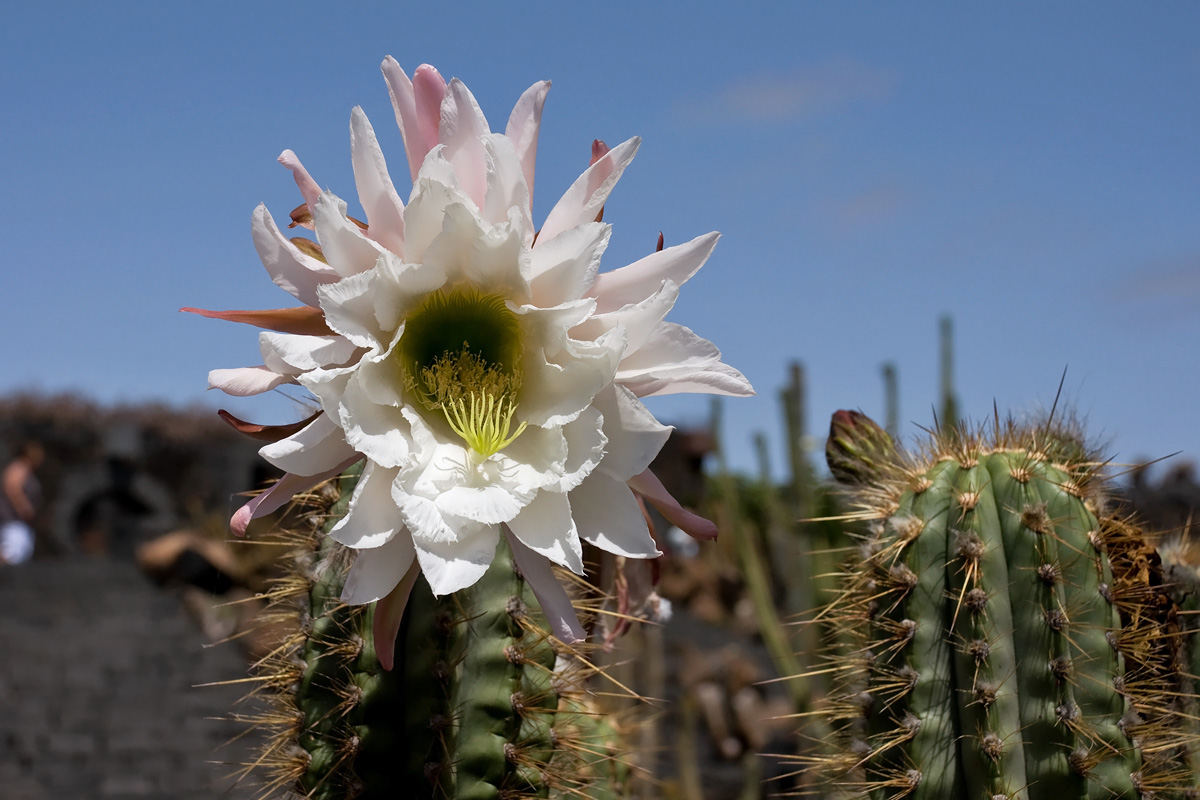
{"points": [[18, 503]]}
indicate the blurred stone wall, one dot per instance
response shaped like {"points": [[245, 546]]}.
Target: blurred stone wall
{"points": [[116, 476], [98, 689]]}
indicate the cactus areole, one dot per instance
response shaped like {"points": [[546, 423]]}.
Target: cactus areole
{"points": [[1003, 637]]}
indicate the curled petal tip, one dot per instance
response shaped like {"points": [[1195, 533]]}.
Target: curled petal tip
{"points": [[241, 520], [599, 150], [649, 486]]}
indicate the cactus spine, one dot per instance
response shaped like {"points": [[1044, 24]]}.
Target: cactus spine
{"points": [[1007, 637], [478, 706]]}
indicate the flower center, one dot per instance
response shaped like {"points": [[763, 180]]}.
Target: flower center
{"points": [[461, 354]]}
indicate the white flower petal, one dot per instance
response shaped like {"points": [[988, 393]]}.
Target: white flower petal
{"points": [[535, 461], [585, 448], [486, 502], [637, 281], [377, 571], [548, 327], [507, 197], [671, 349], [488, 257], [381, 432], [634, 436], [349, 307], [378, 378], [295, 272], [460, 130], [563, 268], [312, 449], [245, 381], [426, 209], [397, 287], [639, 320], [295, 353], [546, 527], [608, 516], [583, 201], [384, 208], [345, 247], [459, 561], [551, 596], [328, 386], [372, 518], [557, 389], [524, 124]]}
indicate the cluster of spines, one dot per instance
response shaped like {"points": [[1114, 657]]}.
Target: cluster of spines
{"points": [[479, 705], [939, 690]]}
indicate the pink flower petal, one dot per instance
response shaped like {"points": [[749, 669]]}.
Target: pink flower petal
{"points": [[245, 381], [308, 187], [385, 210], [556, 605], [462, 125], [582, 202], [650, 487], [712, 379], [429, 90], [524, 124], [389, 612], [405, 107], [303, 320], [278, 495]]}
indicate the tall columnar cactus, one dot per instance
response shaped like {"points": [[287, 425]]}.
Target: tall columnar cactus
{"points": [[477, 706], [1004, 636]]}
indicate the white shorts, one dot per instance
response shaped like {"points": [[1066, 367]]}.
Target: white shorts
{"points": [[16, 542]]}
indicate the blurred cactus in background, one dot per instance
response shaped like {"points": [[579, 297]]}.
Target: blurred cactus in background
{"points": [[1003, 634]]}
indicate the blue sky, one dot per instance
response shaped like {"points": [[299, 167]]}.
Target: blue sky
{"points": [[1029, 168]]}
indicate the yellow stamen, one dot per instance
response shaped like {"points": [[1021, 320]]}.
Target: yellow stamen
{"points": [[486, 424], [461, 353]]}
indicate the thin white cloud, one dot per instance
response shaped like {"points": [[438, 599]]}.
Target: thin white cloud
{"points": [[779, 97]]}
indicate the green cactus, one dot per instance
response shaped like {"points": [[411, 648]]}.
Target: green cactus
{"points": [[1004, 637], [478, 706]]}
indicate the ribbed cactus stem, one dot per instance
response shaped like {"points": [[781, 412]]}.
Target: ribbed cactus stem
{"points": [[1010, 637], [478, 705]]}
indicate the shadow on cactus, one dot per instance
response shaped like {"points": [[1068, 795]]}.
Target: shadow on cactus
{"points": [[481, 702], [1003, 635]]}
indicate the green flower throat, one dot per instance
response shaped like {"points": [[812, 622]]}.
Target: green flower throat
{"points": [[461, 354]]}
